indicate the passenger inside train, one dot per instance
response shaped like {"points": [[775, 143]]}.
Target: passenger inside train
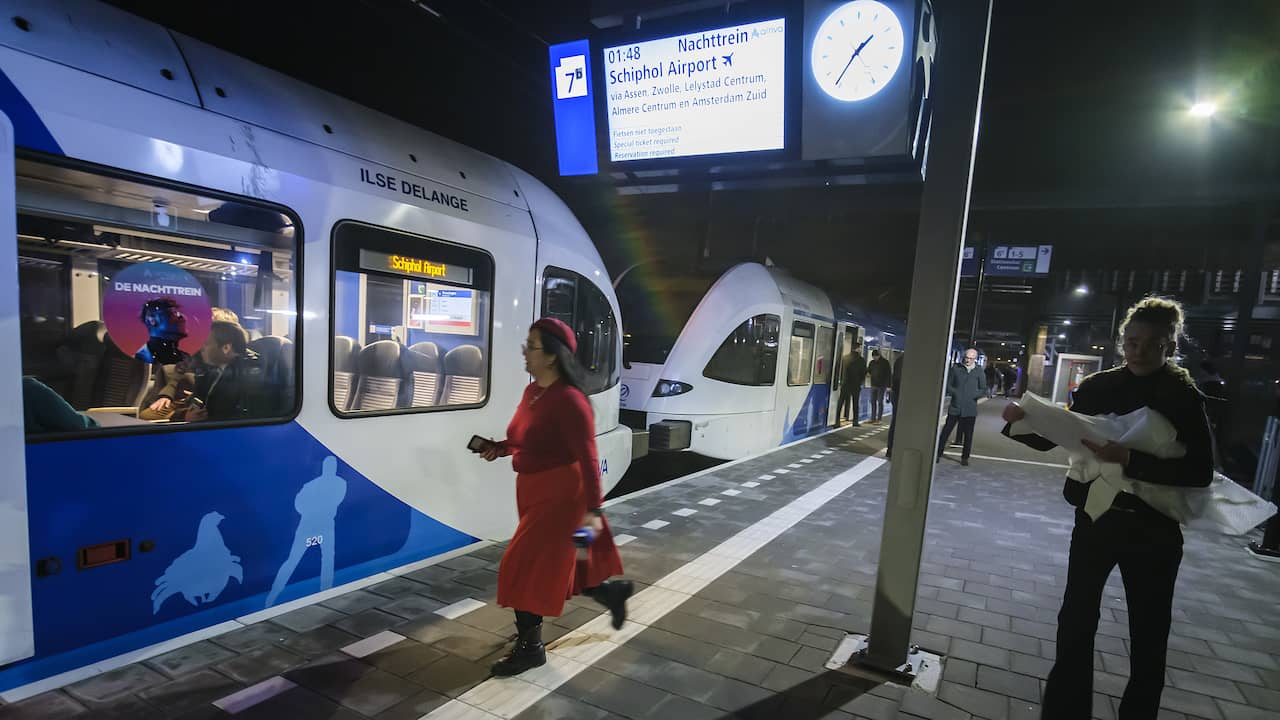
{"points": [[117, 284]]}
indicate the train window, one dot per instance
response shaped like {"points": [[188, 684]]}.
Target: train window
{"points": [[749, 356], [574, 299], [410, 318], [144, 306], [826, 343], [800, 357]]}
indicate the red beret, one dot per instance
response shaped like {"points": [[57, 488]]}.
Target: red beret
{"points": [[559, 330]]}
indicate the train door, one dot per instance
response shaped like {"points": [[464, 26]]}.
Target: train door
{"points": [[848, 337], [824, 361], [17, 637]]}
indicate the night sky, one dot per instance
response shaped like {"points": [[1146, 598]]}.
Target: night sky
{"points": [[1085, 139]]}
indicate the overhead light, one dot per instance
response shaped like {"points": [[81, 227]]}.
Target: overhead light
{"points": [[1066, 322], [1204, 109], [1062, 336], [1082, 290]]}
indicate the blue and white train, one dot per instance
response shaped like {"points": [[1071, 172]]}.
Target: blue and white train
{"points": [[702, 370], [384, 278]]}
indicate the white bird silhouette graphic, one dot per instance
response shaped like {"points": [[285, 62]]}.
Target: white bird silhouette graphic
{"points": [[201, 573]]}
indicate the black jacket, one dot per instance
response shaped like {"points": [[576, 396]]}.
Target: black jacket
{"points": [[1170, 392], [236, 391], [965, 387], [855, 371], [880, 372], [897, 373]]}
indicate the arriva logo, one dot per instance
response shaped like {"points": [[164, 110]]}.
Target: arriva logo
{"points": [[604, 467], [625, 392]]}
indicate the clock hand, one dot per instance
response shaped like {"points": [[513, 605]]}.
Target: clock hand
{"points": [[851, 57]]}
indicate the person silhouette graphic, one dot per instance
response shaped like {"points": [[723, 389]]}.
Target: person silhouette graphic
{"points": [[317, 505]]}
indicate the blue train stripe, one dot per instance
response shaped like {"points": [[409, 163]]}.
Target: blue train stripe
{"points": [[28, 129]]}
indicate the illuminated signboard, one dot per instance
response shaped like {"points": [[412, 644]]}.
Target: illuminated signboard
{"points": [[573, 104], [442, 309], [1019, 261], [414, 267], [702, 93]]}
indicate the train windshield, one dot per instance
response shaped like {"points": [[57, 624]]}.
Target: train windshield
{"points": [[655, 307]]}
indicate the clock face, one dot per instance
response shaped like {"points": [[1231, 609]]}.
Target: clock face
{"points": [[857, 50]]}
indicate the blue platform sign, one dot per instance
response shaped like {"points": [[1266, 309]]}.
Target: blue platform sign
{"points": [[574, 107], [968, 262], [1019, 260]]}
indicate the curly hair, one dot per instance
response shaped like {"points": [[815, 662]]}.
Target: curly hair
{"points": [[1166, 315], [1160, 312]]}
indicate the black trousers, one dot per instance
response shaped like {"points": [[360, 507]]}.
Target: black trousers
{"points": [[893, 421], [1148, 549], [850, 399], [966, 433]]}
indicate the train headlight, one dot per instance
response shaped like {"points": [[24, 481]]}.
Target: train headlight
{"points": [[669, 388]]}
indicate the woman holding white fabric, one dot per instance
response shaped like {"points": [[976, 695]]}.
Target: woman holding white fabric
{"points": [[1145, 544]]}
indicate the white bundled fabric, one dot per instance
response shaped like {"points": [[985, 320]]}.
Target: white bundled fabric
{"points": [[1224, 506]]}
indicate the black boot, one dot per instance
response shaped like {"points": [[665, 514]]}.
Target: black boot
{"points": [[613, 595], [528, 653]]}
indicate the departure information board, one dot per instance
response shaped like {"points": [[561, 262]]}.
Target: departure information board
{"points": [[702, 93]]}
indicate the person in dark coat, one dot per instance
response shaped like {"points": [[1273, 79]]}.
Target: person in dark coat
{"points": [[895, 394], [965, 384], [880, 375], [1143, 542], [851, 380], [989, 371]]}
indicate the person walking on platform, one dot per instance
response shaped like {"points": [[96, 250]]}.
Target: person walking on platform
{"points": [[551, 440], [1145, 544], [854, 375], [965, 384], [895, 394], [881, 375], [989, 371]]}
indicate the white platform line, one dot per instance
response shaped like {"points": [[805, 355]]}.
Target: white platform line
{"points": [[581, 648], [750, 484], [684, 512], [655, 524], [372, 644], [795, 466], [460, 608], [623, 539], [253, 695], [709, 502], [781, 471], [765, 477], [1009, 460], [731, 492]]}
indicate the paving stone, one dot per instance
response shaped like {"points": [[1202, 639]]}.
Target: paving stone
{"points": [[1245, 657], [46, 706], [189, 658], [297, 703], [953, 628], [405, 657], [1205, 685], [1023, 687], [372, 692], [981, 654], [485, 581], [134, 707], [1010, 641], [464, 563], [354, 602], [252, 636], [308, 618], [368, 623], [984, 618], [673, 707], [1232, 711], [450, 675], [452, 636], [410, 607], [740, 666], [259, 664], [191, 691], [110, 685], [961, 672], [399, 587], [972, 700], [1190, 703], [872, 707], [324, 639], [613, 693], [415, 707], [1261, 697]]}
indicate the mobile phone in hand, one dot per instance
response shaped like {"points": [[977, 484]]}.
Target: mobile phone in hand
{"points": [[478, 444]]}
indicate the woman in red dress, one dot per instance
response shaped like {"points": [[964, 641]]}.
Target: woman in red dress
{"points": [[552, 442]]}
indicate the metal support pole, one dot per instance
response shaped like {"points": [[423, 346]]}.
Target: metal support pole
{"points": [[944, 212], [977, 300]]}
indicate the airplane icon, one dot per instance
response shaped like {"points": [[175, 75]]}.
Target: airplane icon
{"points": [[728, 59]]}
